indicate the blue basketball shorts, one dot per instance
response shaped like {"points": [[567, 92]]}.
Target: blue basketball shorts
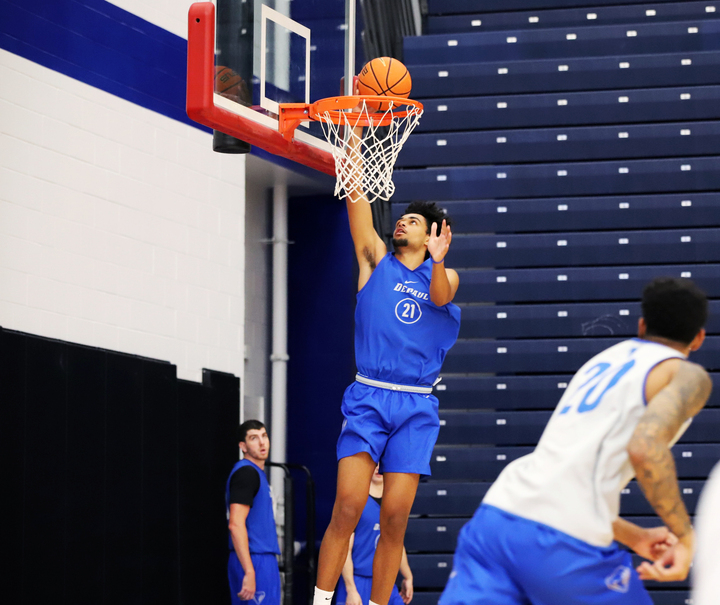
{"points": [[267, 579], [364, 587], [503, 559], [397, 429]]}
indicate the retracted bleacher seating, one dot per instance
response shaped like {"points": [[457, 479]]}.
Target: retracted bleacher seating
{"points": [[563, 17], [574, 143]]}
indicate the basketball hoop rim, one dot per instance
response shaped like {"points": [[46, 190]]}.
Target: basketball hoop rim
{"points": [[336, 109]]}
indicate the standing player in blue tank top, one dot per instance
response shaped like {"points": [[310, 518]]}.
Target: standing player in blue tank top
{"points": [[252, 565], [405, 323]]}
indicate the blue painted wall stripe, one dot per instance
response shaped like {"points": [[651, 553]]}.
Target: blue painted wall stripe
{"points": [[100, 44], [104, 46]]}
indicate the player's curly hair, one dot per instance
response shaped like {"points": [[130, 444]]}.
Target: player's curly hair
{"points": [[674, 308], [249, 425], [431, 212]]}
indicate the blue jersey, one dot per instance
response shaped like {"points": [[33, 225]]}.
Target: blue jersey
{"points": [[367, 534], [401, 336], [260, 523]]}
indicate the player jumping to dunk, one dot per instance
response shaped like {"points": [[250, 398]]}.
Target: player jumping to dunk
{"points": [[545, 532], [405, 323]]}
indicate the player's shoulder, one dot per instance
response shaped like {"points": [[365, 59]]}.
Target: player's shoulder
{"points": [[384, 260], [689, 379], [693, 373], [682, 370], [246, 473]]}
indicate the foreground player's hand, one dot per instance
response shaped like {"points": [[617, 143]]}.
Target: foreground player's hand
{"points": [[406, 590], [248, 588], [654, 542], [673, 565], [438, 244], [353, 598]]}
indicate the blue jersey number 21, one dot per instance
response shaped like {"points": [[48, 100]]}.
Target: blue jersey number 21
{"points": [[586, 390]]}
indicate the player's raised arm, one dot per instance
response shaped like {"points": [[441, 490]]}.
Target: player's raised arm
{"points": [[444, 282], [369, 247], [649, 449]]}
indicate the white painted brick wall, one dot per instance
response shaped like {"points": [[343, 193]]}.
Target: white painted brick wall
{"points": [[168, 14], [119, 227]]}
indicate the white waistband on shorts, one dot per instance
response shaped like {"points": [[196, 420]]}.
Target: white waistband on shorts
{"points": [[390, 386]]}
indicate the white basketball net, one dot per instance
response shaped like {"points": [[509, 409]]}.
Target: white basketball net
{"points": [[364, 163]]}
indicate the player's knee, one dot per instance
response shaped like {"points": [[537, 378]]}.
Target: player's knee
{"points": [[347, 513], [393, 525]]}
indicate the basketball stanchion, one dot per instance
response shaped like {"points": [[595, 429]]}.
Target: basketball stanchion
{"points": [[288, 565], [364, 142]]}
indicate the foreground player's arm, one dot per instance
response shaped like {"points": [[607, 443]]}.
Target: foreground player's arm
{"points": [[348, 575], [406, 590], [650, 543], [443, 282], [238, 532], [369, 247], [683, 397]]}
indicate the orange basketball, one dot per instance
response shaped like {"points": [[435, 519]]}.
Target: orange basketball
{"points": [[229, 84], [384, 76]]}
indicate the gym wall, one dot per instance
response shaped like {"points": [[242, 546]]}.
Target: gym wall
{"points": [[119, 226], [322, 287]]}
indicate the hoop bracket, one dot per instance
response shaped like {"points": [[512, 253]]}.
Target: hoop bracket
{"points": [[290, 117]]}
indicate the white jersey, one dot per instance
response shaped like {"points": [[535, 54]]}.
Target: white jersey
{"points": [[573, 479], [706, 565]]}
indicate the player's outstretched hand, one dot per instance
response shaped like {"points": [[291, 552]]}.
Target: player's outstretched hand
{"points": [[406, 590], [654, 542], [673, 565], [438, 245]]}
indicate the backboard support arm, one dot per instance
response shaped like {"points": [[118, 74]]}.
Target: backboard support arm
{"points": [[201, 107]]}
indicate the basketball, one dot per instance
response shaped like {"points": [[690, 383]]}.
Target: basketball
{"points": [[229, 84], [384, 76]]}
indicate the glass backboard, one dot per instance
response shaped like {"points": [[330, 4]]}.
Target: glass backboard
{"points": [[263, 53]]}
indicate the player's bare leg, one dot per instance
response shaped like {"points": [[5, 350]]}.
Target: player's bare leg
{"points": [[398, 497], [354, 475]]}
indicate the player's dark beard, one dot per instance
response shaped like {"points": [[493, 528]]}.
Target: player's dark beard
{"points": [[399, 242]]}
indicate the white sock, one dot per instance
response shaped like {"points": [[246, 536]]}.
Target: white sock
{"points": [[370, 603], [322, 597]]}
